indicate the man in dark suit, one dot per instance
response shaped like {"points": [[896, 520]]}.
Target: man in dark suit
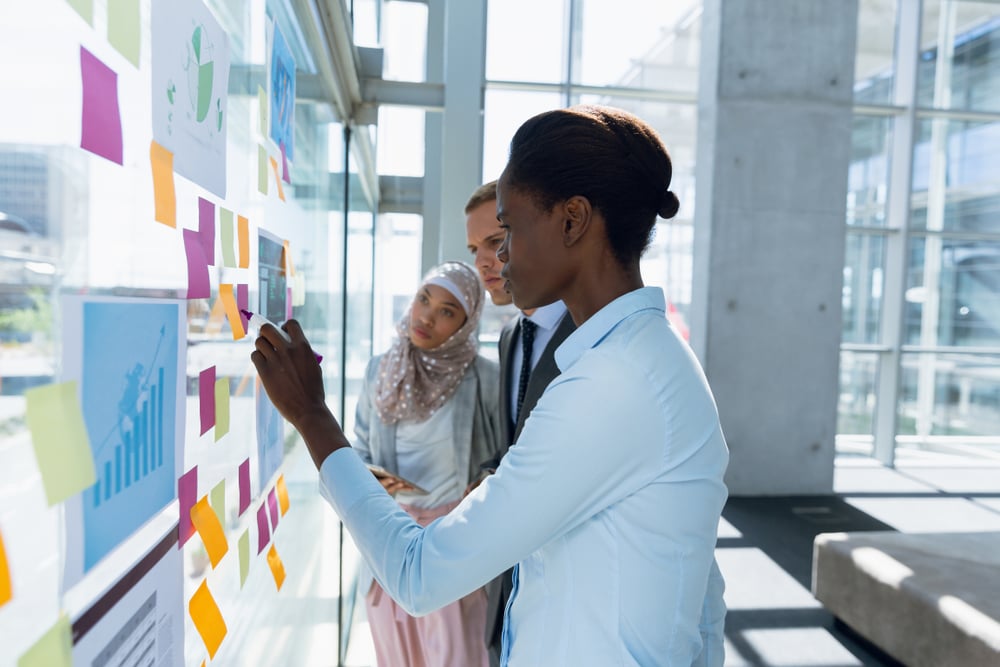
{"points": [[527, 365]]}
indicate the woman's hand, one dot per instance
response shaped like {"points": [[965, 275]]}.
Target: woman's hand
{"points": [[393, 485]]}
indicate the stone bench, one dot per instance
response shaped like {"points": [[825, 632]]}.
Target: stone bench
{"points": [[925, 599]]}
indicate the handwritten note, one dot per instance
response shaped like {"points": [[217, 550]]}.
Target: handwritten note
{"points": [[228, 237], [243, 231], [187, 496], [59, 437], [221, 408], [53, 649], [244, 486], [210, 529], [197, 264], [277, 567], [207, 618], [263, 532], [164, 194], [6, 590], [101, 123], [282, 494], [123, 28], [244, 549], [206, 397]]}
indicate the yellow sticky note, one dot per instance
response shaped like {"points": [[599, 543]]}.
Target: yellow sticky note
{"points": [[53, 649], [84, 8], [289, 264], [208, 526], [282, 494], [261, 169], [59, 436], [277, 567], [262, 109], [164, 195], [123, 28], [228, 234], [228, 299], [244, 545], [243, 232], [277, 179], [222, 406], [207, 618], [6, 590], [217, 499]]}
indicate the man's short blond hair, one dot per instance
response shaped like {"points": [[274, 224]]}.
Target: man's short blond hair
{"points": [[484, 193]]}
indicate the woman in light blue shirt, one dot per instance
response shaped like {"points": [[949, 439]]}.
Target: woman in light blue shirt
{"points": [[609, 503]]}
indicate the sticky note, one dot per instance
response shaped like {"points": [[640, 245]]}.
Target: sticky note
{"points": [[289, 300], [262, 109], [244, 549], [221, 408], [243, 303], [123, 28], [207, 618], [272, 506], [284, 165], [261, 169], [101, 123], [206, 397], [206, 229], [277, 179], [286, 257], [243, 232], [164, 195], [6, 590], [263, 532], [244, 486], [210, 529], [277, 567], [282, 494], [217, 499], [187, 496], [84, 8], [228, 298], [59, 437], [228, 237], [53, 649], [197, 264]]}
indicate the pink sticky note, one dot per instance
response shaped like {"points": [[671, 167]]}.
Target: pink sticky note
{"points": [[198, 285], [288, 303], [272, 506], [263, 533], [244, 486], [284, 165], [206, 393], [101, 122], [206, 229], [243, 302], [187, 496]]}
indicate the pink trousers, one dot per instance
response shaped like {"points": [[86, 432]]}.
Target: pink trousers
{"points": [[449, 637]]}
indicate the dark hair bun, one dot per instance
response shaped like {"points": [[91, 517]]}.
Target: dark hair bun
{"points": [[669, 205]]}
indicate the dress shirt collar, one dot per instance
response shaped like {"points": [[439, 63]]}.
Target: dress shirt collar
{"points": [[548, 317], [600, 324]]}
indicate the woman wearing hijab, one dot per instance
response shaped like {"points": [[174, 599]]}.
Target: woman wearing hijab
{"points": [[428, 413]]}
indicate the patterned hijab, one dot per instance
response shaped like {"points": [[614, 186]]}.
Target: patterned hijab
{"points": [[413, 383]]}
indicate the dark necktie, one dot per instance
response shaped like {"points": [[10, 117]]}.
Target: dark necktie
{"points": [[527, 342]]}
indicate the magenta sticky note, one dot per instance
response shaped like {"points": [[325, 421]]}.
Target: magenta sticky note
{"points": [[244, 486], [288, 303], [206, 394], [187, 497], [243, 302], [198, 284], [206, 229], [272, 506], [263, 533], [284, 165], [101, 121]]}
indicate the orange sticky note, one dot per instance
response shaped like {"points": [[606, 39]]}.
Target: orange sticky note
{"points": [[232, 312], [164, 195], [277, 567], [289, 264], [6, 593], [282, 494], [206, 522], [207, 618], [243, 232], [277, 179]]}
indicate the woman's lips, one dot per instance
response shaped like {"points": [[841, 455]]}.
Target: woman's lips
{"points": [[422, 333]]}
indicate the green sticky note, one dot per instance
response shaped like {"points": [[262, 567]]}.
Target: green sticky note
{"points": [[54, 649], [226, 231], [217, 499], [244, 556], [84, 8], [59, 437], [221, 408], [261, 169], [124, 28], [262, 107]]}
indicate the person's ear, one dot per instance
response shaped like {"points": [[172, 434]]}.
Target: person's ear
{"points": [[577, 216]]}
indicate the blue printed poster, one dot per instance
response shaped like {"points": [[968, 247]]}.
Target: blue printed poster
{"points": [[282, 88]]}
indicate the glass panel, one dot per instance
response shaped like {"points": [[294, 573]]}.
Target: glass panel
{"points": [[405, 41], [397, 272], [637, 44], [505, 111], [400, 146], [874, 73], [366, 21], [950, 402], [960, 56], [522, 49], [953, 293], [956, 176], [868, 175], [856, 406], [864, 277]]}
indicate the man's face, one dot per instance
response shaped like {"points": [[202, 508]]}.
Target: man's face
{"points": [[484, 236]]}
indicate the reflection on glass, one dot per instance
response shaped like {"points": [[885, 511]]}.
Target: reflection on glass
{"points": [[868, 173], [505, 110], [405, 41], [862, 294], [856, 406], [874, 73], [519, 48], [400, 146]]}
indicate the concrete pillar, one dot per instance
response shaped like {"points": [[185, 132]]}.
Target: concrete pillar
{"points": [[774, 143]]}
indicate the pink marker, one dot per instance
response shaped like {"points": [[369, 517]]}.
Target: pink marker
{"points": [[255, 320]]}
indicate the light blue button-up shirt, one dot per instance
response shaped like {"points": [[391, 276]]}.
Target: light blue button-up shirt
{"points": [[608, 504]]}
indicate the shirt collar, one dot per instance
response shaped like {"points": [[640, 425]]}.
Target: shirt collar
{"points": [[592, 332], [548, 316]]}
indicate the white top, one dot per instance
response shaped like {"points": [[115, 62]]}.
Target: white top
{"points": [[547, 318], [425, 456]]}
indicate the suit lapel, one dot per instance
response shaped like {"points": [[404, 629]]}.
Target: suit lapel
{"points": [[544, 372], [507, 335]]}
